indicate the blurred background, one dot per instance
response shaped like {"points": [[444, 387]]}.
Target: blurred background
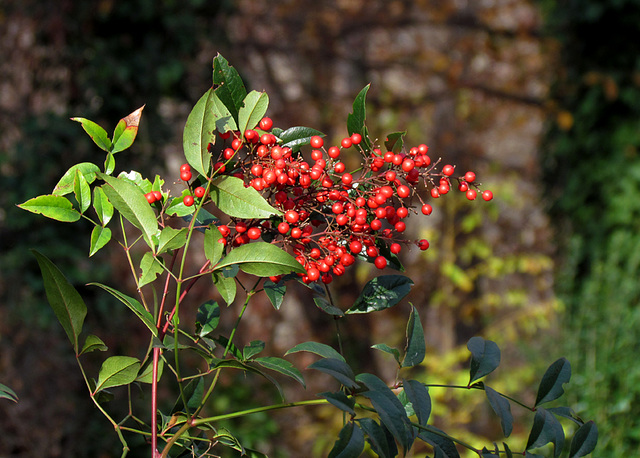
{"points": [[540, 99]]}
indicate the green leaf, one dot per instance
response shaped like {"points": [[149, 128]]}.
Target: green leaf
{"points": [[416, 349], [296, 137], [502, 408], [420, 400], [54, 207], [136, 307], [323, 304], [102, 206], [93, 343], [381, 293], [584, 440], [441, 442], [556, 375], [126, 131], [109, 164], [213, 249], [282, 366], [567, 413], [395, 141], [485, 357], [146, 374], [275, 292], [546, 428], [253, 348], [350, 443], [193, 393], [389, 408], [254, 108], [8, 393], [97, 133], [117, 371], [356, 120], [100, 236], [82, 191], [387, 349], [224, 120], [337, 369], [261, 259], [171, 239], [65, 185], [340, 400], [381, 443], [231, 90], [319, 349], [64, 299], [177, 207], [248, 367], [231, 197], [226, 286], [150, 267], [129, 200], [207, 318], [199, 131]]}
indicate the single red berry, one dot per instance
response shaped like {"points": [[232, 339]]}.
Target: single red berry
{"points": [[186, 175], [435, 193], [224, 230], [254, 233], [316, 141], [151, 198], [327, 278], [395, 248], [236, 144], [241, 227], [400, 226], [157, 195], [423, 244], [487, 195], [463, 186], [426, 209], [188, 200], [257, 170], [313, 273], [251, 135], [347, 179], [402, 212], [448, 170], [337, 208], [266, 123], [346, 142], [185, 168], [296, 232], [339, 167], [267, 139], [199, 191], [361, 201], [372, 251], [469, 177], [283, 227], [422, 149], [219, 167], [333, 152], [316, 154], [376, 224], [390, 175], [356, 138], [355, 247], [380, 262], [408, 165], [471, 194], [403, 191], [397, 159]]}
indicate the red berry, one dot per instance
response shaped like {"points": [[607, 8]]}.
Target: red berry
{"points": [[372, 251], [333, 152], [390, 175], [316, 141], [185, 176], [355, 247], [408, 165], [487, 195], [423, 244], [267, 139], [395, 248], [422, 149], [241, 227], [380, 262], [463, 186], [376, 224], [236, 144], [224, 230], [188, 200], [469, 177], [296, 232], [199, 191], [339, 167], [346, 142], [402, 212], [347, 179], [403, 191], [426, 209], [256, 170], [150, 197], [400, 226], [266, 123], [316, 154], [185, 168], [313, 273], [471, 194], [251, 135], [283, 227], [356, 138], [157, 195], [254, 233], [448, 170], [435, 193]]}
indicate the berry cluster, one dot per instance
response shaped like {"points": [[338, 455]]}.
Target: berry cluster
{"points": [[331, 215]]}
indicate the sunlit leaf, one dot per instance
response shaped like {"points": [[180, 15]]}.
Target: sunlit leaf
{"points": [[262, 259], [150, 267], [135, 306], [226, 286], [171, 239], [93, 343], [199, 131], [102, 206], [356, 120], [97, 133], [117, 371], [8, 393], [231, 196], [207, 318], [213, 248], [54, 207], [100, 236], [381, 293], [65, 185], [146, 374], [126, 131], [317, 348], [389, 350], [275, 292], [230, 90], [253, 109]]}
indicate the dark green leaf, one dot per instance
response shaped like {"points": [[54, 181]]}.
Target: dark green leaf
{"points": [[387, 349], [65, 301], [507, 450], [416, 349], [93, 343], [262, 259], [135, 306], [248, 367], [447, 447], [102, 206], [171, 239], [323, 304], [381, 293], [97, 133], [340, 400], [253, 109], [336, 368], [486, 453], [275, 292], [395, 141], [193, 393], [126, 131], [296, 137], [117, 371], [356, 120], [65, 185], [226, 286], [230, 90], [318, 348], [502, 408], [550, 387], [54, 207], [231, 196], [207, 318], [8, 393], [199, 131], [568, 413], [546, 428], [350, 442], [584, 440], [254, 347], [418, 395], [282, 366], [100, 236], [383, 445], [485, 357], [150, 267], [230, 345]]}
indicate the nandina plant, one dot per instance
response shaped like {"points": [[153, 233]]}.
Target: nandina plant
{"points": [[289, 210]]}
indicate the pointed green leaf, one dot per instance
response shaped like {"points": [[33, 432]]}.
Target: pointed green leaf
{"points": [[337, 369], [350, 443], [129, 200], [248, 367], [100, 236], [150, 267], [340, 400], [8, 393], [253, 348], [109, 164], [383, 445], [567, 413], [395, 141], [502, 408], [126, 131], [224, 120], [254, 108], [262, 259], [97, 133], [82, 192], [199, 131], [54, 207], [207, 318], [416, 348], [275, 292], [485, 357], [327, 307], [319, 349], [356, 120], [102, 206], [381, 293], [226, 286], [230, 90], [64, 299], [420, 400], [387, 349], [556, 375], [231, 196], [584, 440], [507, 450], [171, 239], [282, 366], [93, 343], [65, 185], [296, 137], [146, 374], [117, 371], [546, 428], [135, 306], [213, 249], [193, 393]]}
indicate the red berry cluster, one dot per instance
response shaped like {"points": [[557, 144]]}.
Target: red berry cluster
{"points": [[331, 215]]}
